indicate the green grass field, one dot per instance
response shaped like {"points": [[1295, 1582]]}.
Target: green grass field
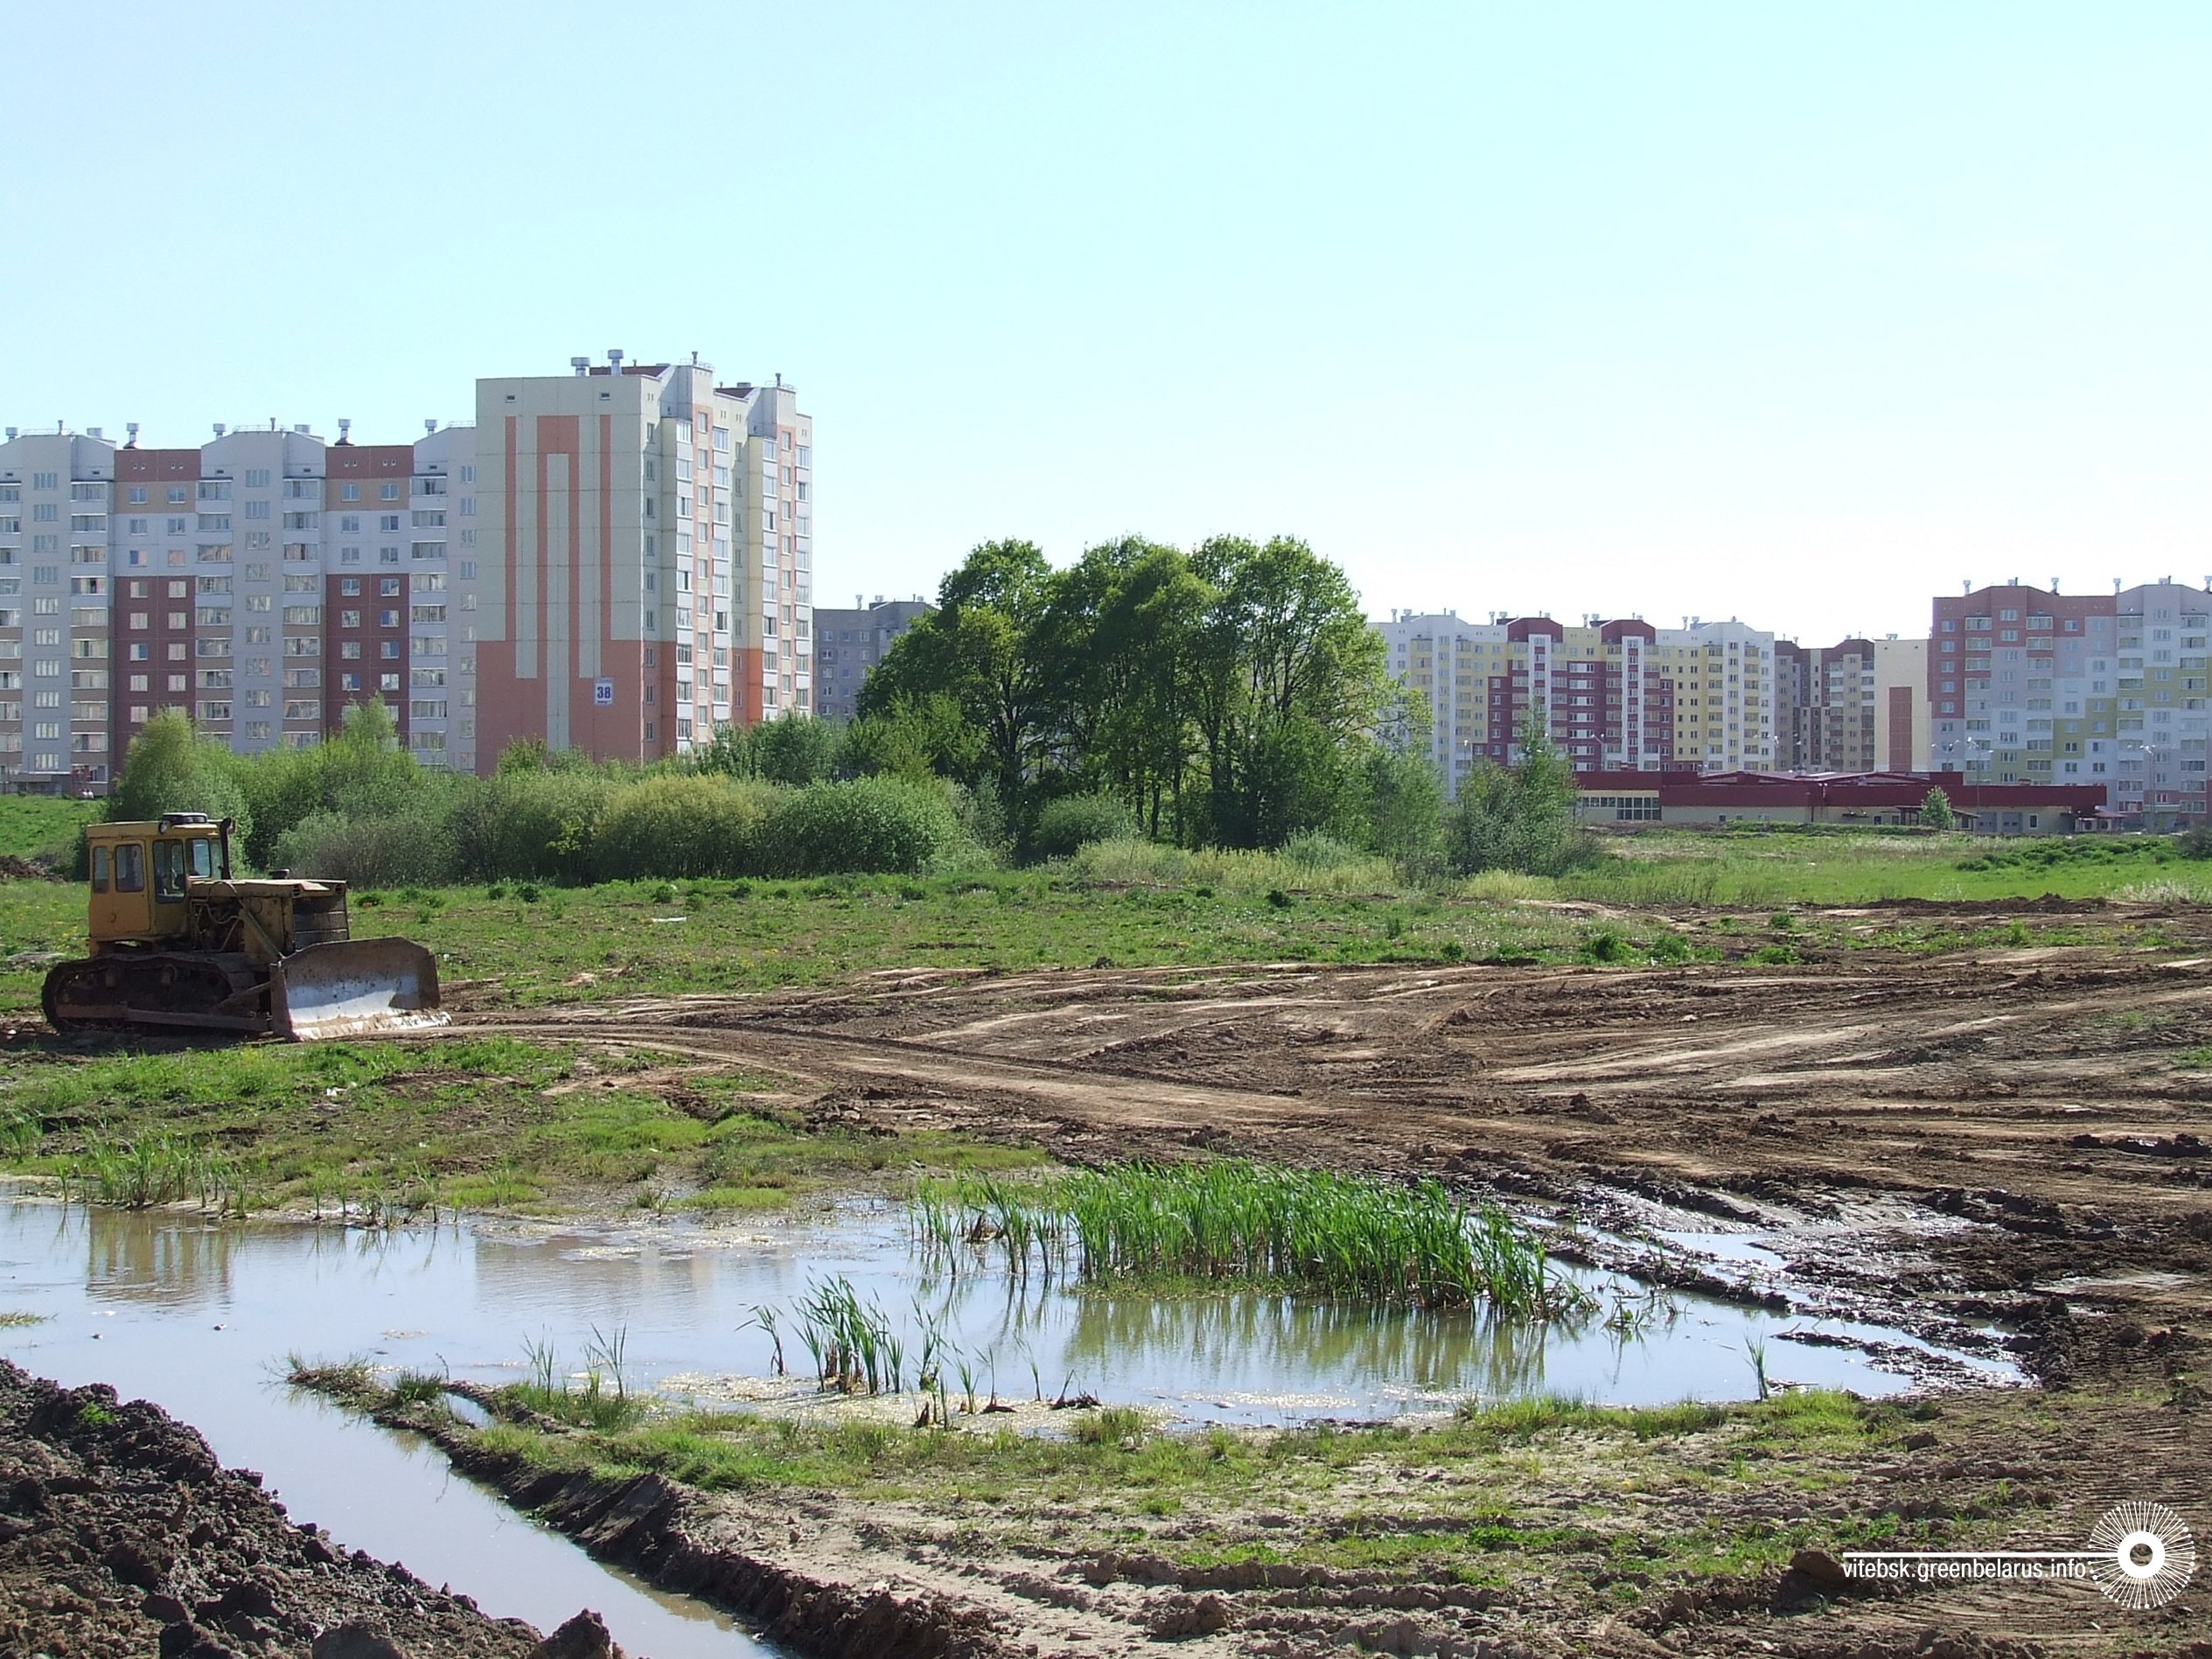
{"points": [[1133, 905], [376, 1129]]}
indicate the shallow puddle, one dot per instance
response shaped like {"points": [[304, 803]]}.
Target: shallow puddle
{"points": [[200, 1316]]}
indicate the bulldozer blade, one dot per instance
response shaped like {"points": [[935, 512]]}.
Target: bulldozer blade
{"points": [[354, 988]]}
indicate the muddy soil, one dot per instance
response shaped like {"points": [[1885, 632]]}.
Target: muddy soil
{"points": [[120, 1534], [2001, 1135], [2014, 1142]]}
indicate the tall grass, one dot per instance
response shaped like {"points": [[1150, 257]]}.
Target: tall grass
{"points": [[1142, 863], [603, 1403], [1339, 1234], [156, 1169]]}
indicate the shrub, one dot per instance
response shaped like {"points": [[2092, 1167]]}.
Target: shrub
{"points": [[1312, 850], [1078, 820], [407, 851], [1522, 819], [870, 825], [528, 822], [1606, 944], [676, 826]]}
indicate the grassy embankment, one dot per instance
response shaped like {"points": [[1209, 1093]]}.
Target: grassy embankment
{"points": [[30, 824], [372, 1130], [1500, 1492]]}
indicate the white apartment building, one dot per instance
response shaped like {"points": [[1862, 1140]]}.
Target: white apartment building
{"points": [[56, 491]]}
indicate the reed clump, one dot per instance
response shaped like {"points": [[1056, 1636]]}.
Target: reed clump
{"points": [[1338, 1234], [855, 1345], [156, 1169]]}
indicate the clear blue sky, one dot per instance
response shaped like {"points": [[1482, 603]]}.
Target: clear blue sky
{"points": [[1800, 313]]}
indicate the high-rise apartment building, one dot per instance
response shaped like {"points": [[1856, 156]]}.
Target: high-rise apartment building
{"points": [[1825, 707], [848, 645], [1617, 694], [625, 552], [2029, 686], [56, 491], [650, 542]]}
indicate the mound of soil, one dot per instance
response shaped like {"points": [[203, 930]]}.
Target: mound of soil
{"points": [[22, 869], [121, 1534]]}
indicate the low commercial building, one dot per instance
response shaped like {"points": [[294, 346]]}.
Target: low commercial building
{"points": [[1714, 799]]}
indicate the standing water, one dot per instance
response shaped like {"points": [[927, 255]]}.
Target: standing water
{"points": [[199, 1316]]}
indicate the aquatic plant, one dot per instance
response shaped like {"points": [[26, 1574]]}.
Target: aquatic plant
{"points": [[852, 1341], [1340, 1235], [595, 1405], [156, 1169], [764, 1317]]}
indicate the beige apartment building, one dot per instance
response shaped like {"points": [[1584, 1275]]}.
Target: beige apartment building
{"points": [[651, 534]]}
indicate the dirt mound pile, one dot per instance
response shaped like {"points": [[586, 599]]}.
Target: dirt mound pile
{"points": [[120, 1533]]}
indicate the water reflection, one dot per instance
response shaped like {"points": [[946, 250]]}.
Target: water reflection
{"points": [[469, 1298], [1267, 1338]]}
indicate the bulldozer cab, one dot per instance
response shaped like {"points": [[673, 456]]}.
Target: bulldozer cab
{"points": [[140, 873]]}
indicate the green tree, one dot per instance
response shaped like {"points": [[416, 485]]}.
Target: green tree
{"points": [[1287, 680], [1521, 818], [796, 749], [792, 748], [1398, 798], [171, 768], [1114, 644], [976, 648], [913, 738], [1936, 811]]}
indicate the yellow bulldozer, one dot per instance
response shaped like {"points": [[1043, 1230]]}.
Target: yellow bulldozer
{"points": [[178, 941]]}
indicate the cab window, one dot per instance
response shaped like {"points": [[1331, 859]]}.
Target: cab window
{"points": [[168, 871], [203, 858], [99, 869], [130, 867]]}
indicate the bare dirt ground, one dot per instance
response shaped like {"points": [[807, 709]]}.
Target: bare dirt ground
{"points": [[121, 1535], [2009, 1141]]}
